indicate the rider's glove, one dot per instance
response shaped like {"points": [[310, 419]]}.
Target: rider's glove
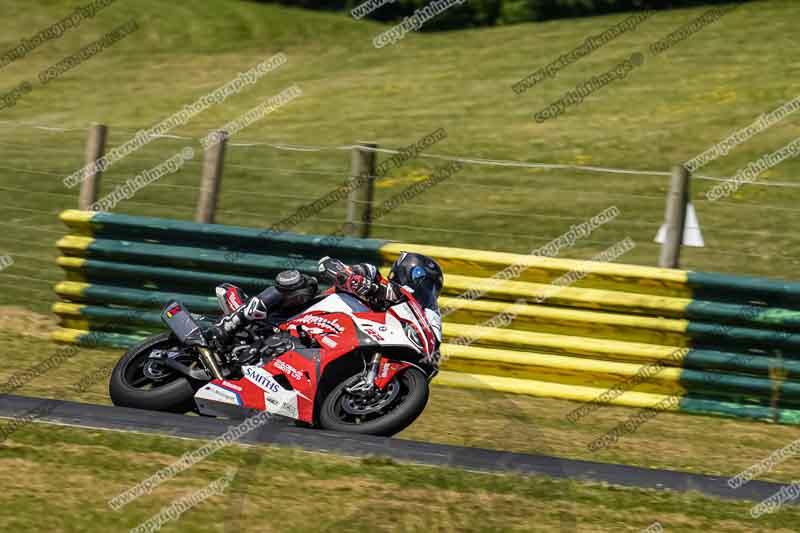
{"points": [[330, 268], [355, 284], [356, 280]]}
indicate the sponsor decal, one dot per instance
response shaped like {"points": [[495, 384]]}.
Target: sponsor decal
{"points": [[287, 407], [386, 367], [174, 310], [218, 394], [436, 323], [329, 342], [262, 379], [286, 368], [325, 324], [422, 320], [233, 299], [271, 400], [371, 332], [232, 385]]}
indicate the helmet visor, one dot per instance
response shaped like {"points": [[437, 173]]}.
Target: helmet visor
{"points": [[426, 288]]}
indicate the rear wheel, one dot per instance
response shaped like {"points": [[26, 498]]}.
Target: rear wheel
{"points": [[383, 413], [145, 383]]}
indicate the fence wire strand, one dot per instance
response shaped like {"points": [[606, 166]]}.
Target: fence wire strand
{"points": [[462, 159]]}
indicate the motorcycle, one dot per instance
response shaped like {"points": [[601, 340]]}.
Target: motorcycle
{"points": [[337, 365]]}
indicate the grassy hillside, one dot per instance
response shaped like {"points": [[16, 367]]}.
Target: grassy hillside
{"points": [[672, 108]]}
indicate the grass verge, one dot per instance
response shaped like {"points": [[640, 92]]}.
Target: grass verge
{"points": [[73, 472]]}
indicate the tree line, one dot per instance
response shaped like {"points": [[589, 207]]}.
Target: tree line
{"points": [[475, 13]]}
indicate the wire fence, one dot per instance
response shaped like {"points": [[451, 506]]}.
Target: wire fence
{"points": [[491, 204]]}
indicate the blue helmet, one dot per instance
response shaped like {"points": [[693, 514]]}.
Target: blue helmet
{"points": [[422, 274]]}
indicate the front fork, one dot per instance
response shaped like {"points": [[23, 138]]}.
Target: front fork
{"points": [[372, 382], [367, 384]]}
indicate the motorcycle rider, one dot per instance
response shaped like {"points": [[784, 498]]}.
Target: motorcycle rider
{"points": [[293, 291]]}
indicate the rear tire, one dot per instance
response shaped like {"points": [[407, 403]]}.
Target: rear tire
{"points": [[414, 387], [176, 396]]}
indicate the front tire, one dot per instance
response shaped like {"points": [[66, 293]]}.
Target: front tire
{"points": [[129, 386], [410, 401]]}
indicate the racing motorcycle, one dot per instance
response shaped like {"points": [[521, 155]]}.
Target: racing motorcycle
{"points": [[337, 365]]}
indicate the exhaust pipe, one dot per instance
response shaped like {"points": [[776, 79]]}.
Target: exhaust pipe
{"points": [[210, 362]]}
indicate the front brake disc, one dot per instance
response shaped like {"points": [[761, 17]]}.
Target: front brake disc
{"points": [[363, 405]]}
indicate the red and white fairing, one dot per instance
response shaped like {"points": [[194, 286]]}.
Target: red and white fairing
{"points": [[339, 324]]}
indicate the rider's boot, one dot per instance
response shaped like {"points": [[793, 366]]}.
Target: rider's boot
{"points": [[291, 291], [237, 313]]}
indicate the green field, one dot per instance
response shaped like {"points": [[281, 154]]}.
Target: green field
{"points": [[669, 110]]}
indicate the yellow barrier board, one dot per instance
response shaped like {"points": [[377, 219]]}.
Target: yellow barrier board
{"points": [[538, 269]]}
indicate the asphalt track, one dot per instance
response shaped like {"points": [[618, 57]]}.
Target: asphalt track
{"points": [[476, 459]]}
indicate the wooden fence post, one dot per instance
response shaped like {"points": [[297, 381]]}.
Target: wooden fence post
{"points": [[359, 201], [212, 176], [95, 149], [675, 218]]}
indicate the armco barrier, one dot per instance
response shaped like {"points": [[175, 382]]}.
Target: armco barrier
{"points": [[721, 344]]}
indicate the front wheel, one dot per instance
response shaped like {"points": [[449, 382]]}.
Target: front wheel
{"points": [[384, 413], [144, 383]]}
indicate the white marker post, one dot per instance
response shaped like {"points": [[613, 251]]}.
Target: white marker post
{"points": [[692, 236]]}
